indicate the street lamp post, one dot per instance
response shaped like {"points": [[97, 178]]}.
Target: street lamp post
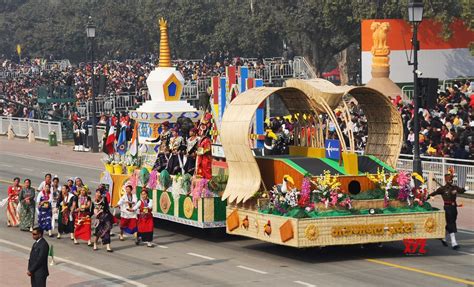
{"points": [[415, 16], [90, 31]]}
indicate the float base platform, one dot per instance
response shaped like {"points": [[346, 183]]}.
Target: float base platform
{"points": [[208, 212], [341, 230]]}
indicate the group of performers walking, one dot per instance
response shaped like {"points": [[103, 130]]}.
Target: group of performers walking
{"points": [[77, 212]]}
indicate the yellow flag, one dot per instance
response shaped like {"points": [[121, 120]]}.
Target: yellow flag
{"points": [[18, 49]]}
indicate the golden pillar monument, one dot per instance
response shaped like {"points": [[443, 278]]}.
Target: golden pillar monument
{"points": [[380, 62]]}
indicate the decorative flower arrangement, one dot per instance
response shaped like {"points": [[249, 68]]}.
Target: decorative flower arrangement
{"points": [[153, 180], [403, 181], [327, 182], [328, 192], [419, 194], [200, 189], [305, 194], [117, 159], [107, 159], [333, 198], [382, 181], [129, 160]]}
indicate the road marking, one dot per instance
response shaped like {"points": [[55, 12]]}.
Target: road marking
{"points": [[467, 253], [251, 269], [96, 270], [27, 169], [52, 161], [162, 246], [202, 256], [304, 284], [6, 165], [467, 232], [459, 280]]}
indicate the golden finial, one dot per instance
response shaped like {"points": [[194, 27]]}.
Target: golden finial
{"points": [[165, 54]]}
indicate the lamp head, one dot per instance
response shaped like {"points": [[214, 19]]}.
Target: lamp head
{"points": [[415, 11], [90, 28]]}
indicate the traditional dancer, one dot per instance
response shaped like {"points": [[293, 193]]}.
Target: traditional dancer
{"points": [[145, 219], [27, 203], [47, 180], [104, 220], [45, 209], [163, 153], [13, 218], [82, 219], [128, 216], [64, 205], [191, 148], [55, 192], [449, 193], [204, 158], [76, 188], [174, 163]]}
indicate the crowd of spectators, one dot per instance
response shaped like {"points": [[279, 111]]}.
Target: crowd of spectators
{"points": [[446, 130]]}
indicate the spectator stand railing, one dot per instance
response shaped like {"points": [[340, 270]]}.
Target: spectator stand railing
{"points": [[408, 91], [112, 103], [464, 169], [41, 128]]}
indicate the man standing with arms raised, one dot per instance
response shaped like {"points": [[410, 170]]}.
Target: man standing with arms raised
{"points": [[38, 261]]}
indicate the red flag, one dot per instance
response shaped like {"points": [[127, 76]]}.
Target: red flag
{"points": [[110, 142]]}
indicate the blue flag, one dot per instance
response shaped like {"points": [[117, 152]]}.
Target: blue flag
{"points": [[122, 141]]}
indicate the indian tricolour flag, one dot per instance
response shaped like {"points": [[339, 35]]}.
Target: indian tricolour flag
{"points": [[133, 149]]}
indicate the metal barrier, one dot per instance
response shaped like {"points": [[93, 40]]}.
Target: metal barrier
{"points": [[41, 128], [464, 169], [408, 91]]}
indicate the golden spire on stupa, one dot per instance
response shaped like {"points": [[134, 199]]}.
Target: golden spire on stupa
{"points": [[165, 54]]}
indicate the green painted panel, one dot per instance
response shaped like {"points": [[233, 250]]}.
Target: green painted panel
{"points": [[171, 209], [219, 209], [181, 209]]}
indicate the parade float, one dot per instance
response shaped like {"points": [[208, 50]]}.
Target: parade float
{"points": [[320, 193]]}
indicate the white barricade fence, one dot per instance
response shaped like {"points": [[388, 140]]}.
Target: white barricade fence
{"points": [[463, 169], [41, 128]]}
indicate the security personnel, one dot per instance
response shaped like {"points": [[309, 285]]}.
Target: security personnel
{"points": [[449, 192]]}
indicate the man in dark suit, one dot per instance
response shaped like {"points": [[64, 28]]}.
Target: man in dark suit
{"points": [[38, 262]]}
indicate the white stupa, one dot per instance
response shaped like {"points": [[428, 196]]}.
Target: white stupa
{"points": [[165, 83]]}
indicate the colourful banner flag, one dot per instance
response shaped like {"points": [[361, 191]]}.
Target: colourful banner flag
{"points": [[122, 141]]}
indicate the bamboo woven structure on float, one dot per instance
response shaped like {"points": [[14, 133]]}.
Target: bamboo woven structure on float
{"points": [[244, 174], [385, 127], [384, 123]]}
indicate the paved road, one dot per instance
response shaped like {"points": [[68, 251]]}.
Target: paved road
{"points": [[187, 256]]}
